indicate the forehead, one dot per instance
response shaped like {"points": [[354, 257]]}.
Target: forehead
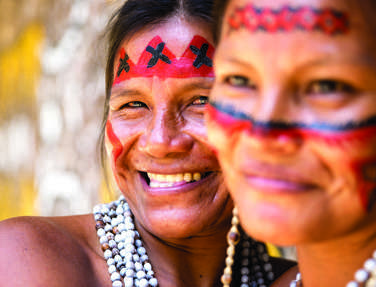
{"points": [[352, 35], [177, 33]]}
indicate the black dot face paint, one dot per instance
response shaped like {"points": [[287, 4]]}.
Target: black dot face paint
{"points": [[356, 135], [287, 18]]}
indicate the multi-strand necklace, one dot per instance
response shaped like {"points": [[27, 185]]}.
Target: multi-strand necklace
{"points": [[364, 277], [128, 263]]}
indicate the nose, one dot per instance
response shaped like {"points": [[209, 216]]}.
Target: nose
{"points": [[276, 128], [165, 136]]}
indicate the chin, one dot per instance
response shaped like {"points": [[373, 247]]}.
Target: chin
{"points": [[269, 224], [173, 224]]}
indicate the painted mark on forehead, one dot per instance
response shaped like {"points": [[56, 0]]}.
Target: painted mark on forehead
{"points": [[158, 60], [361, 134], [287, 18]]}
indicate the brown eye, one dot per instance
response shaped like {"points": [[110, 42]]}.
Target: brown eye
{"points": [[329, 87], [200, 101], [239, 81], [133, 105]]}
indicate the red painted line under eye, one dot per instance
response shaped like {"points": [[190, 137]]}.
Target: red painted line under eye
{"points": [[359, 137]]}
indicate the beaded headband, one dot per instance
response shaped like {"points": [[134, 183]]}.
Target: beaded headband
{"points": [[328, 21], [158, 60]]}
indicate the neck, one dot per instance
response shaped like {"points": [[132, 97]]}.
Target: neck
{"points": [[194, 261], [334, 262]]}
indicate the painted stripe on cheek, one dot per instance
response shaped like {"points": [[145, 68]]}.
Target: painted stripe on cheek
{"points": [[357, 134], [117, 147]]}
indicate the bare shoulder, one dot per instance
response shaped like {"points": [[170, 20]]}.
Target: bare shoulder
{"points": [[46, 251]]}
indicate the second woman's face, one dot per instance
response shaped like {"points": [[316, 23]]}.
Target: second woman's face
{"points": [[156, 135], [293, 116]]}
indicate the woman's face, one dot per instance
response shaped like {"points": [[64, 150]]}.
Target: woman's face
{"points": [[155, 134], [292, 115]]}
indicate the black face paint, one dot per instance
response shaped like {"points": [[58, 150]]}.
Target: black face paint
{"points": [[123, 66], [201, 59], [157, 54]]}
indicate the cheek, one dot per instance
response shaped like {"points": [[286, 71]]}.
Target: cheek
{"points": [[222, 133], [115, 147], [353, 154]]}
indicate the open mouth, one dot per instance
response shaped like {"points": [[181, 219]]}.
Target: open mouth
{"points": [[155, 180]]}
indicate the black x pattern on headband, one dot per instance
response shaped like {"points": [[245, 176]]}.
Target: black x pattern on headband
{"points": [[201, 58], [156, 55], [123, 65]]}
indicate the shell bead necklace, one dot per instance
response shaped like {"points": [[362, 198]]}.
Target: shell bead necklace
{"points": [[364, 277], [128, 263], [254, 269]]}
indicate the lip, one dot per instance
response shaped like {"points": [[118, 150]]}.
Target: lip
{"points": [[277, 179], [182, 188]]}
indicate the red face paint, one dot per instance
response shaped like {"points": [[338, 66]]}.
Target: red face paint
{"points": [[117, 147], [286, 18], [359, 135], [158, 60]]}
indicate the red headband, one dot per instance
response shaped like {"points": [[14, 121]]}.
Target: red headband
{"points": [[158, 60], [328, 21]]}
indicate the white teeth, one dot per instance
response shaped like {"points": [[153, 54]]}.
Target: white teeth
{"points": [[168, 180]]}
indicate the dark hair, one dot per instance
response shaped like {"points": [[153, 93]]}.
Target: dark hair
{"points": [[135, 15], [218, 14]]}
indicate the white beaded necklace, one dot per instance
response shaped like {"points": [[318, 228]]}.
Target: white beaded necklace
{"points": [[364, 277], [128, 263]]}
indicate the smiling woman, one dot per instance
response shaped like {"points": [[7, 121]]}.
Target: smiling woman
{"points": [[292, 115]]}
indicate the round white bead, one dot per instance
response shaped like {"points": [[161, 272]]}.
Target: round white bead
{"points": [[370, 265], [104, 209], [107, 254], [129, 273], [112, 243], [100, 232], [129, 248], [110, 261], [123, 272], [128, 282], [108, 227], [147, 266], [117, 283], [141, 250], [111, 269], [143, 283], [140, 274], [118, 258], [129, 264], [144, 258], [121, 245], [153, 282], [121, 227], [96, 209], [103, 239], [115, 276], [136, 257], [138, 266], [352, 284], [138, 243], [361, 275]]}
